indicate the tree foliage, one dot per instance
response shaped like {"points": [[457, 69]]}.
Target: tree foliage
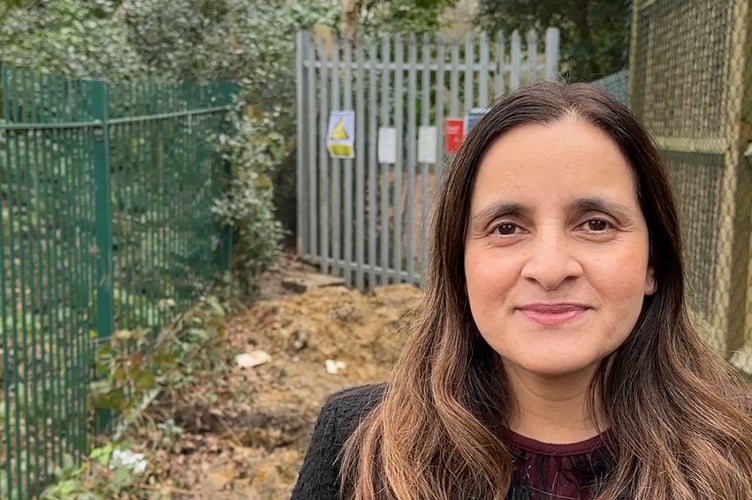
{"points": [[404, 16], [594, 32], [74, 38]]}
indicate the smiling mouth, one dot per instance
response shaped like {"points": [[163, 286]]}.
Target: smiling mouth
{"points": [[553, 314]]}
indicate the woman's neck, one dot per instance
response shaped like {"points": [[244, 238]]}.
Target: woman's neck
{"points": [[553, 409]]}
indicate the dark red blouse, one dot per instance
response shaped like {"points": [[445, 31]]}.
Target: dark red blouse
{"points": [[546, 471]]}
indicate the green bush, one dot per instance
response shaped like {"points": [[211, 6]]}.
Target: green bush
{"points": [[253, 152], [74, 38]]}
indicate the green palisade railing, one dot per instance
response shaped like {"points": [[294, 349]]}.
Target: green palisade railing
{"points": [[106, 194]]}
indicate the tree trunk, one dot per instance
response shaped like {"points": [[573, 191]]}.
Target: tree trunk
{"points": [[349, 20], [582, 27]]}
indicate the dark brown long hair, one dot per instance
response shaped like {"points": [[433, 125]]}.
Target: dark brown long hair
{"points": [[678, 414]]}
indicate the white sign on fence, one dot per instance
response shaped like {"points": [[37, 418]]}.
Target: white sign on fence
{"points": [[387, 145], [340, 136], [427, 138]]}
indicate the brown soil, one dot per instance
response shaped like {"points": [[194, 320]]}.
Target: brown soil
{"points": [[250, 442]]}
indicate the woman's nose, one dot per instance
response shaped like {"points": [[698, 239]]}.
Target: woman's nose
{"points": [[551, 260]]}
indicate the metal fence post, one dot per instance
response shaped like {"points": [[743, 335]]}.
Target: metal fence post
{"points": [[552, 55], [103, 217], [301, 157], [226, 232]]}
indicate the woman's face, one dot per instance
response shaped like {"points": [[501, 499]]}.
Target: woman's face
{"points": [[556, 252]]}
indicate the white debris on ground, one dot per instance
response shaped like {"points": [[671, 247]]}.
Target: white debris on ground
{"points": [[252, 359]]}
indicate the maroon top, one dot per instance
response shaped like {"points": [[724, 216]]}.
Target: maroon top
{"points": [[557, 471]]}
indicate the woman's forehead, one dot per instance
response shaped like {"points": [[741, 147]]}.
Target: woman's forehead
{"points": [[563, 161]]}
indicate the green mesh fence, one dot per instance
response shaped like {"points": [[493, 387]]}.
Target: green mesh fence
{"points": [[690, 82], [106, 224], [165, 175]]}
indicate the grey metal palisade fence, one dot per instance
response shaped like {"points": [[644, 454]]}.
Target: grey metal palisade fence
{"points": [[365, 220]]}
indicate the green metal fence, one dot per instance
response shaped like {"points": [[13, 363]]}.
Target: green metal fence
{"points": [[106, 224]]}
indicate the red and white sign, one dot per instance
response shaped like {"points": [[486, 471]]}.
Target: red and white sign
{"points": [[454, 131]]}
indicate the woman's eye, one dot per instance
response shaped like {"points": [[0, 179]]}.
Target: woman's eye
{"points": [[597, 225], [506, 228]]}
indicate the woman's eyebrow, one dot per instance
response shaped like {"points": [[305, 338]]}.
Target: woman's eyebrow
{"points": [[601, 205], [498, 209], [503, 209]]}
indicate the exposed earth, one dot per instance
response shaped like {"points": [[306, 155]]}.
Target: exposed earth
{"points": [[248, 439]]}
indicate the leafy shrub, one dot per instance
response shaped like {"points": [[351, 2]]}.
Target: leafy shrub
{"points": [[75, 38], [253, 151]]}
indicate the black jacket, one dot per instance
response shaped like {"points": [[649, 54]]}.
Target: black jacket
{"points": [[339, 417]]}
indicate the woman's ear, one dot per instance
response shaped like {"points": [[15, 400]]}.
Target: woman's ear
{"points": [[650, 285]]}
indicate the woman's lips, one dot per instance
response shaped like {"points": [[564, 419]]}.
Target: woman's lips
{"points": [[553, 314]]}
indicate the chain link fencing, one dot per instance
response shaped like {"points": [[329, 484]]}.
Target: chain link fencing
{"points": [[690, 82]]}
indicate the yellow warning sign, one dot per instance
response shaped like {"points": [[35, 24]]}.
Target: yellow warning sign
{"points": [[340, 136], [339, 133], [340, 150]]}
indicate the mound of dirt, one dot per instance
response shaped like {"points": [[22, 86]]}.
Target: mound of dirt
{"points": [[250, 442]]}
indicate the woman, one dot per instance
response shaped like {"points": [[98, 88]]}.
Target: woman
{"points": [[552, 356]]}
